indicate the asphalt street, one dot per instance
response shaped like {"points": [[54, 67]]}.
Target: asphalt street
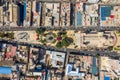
{"points": [[2, 28], [81, 52]]}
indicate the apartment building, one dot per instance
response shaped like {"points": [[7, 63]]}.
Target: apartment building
{"points": [[65, 14], [1, 16], [27, 13], [36, 10], [13, 14], [52, 14]]}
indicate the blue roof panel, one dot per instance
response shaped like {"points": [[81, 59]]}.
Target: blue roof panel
{"points": [[106, 78], [78, 18], [103, 18], [5, 70], [25, 6]]}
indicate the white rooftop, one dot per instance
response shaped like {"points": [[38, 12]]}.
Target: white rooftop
{"points": [[56, 57], [93, 1]]}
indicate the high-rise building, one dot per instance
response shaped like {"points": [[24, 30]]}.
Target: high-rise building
{"points": [[1, 15], [10, 12], [27, 13], [36, 9], [15, 13], [1, 2], [34, 5], [24, 10], [20, 13]]}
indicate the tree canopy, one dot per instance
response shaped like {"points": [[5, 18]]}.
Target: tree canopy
{"points": [[40, 30], [67, 41], [8, 35], [59, 45]]}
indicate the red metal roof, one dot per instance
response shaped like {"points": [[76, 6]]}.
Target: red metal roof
{"points": [[8, 55], [112, 16]]}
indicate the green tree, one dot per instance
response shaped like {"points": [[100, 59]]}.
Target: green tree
{"points": [[61, 33], [40, 30], [54, 35], [67, 41], [42, 40], [10, 35], [110, 48], [116, 79], [1, 34], [97, 55], [54, 41], [59, 45]]}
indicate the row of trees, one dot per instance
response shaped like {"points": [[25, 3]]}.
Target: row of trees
{"points": [[40, 30], [9, 35]]}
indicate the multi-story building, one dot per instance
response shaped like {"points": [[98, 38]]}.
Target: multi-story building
{"points": [[21, 13], [27, 13], [5, 19], [81, 67], [109, 16], [1, 2], [1, 15], [65, 14], [36, 10], [10, 12], [109, 68], [51, 14], [34, 5], [13, 14], [79, 14], [15, 9]]}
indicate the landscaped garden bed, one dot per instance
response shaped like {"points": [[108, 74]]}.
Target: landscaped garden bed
{"points": [[57, 38]]}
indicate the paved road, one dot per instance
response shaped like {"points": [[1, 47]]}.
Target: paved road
{"points": [[59, 28], [53, 0], [81, 52], [8, 28]]}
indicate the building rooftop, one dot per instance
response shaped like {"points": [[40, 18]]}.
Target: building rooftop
{"points": [[105, 39], [86, 14], [6, 63], [110, 1], [93, 1], [106, 78], [109, 15], [56, 58], [65, 14], [80, 66], [52, 14], [5, 70], [75, 72], [107, 65]]}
